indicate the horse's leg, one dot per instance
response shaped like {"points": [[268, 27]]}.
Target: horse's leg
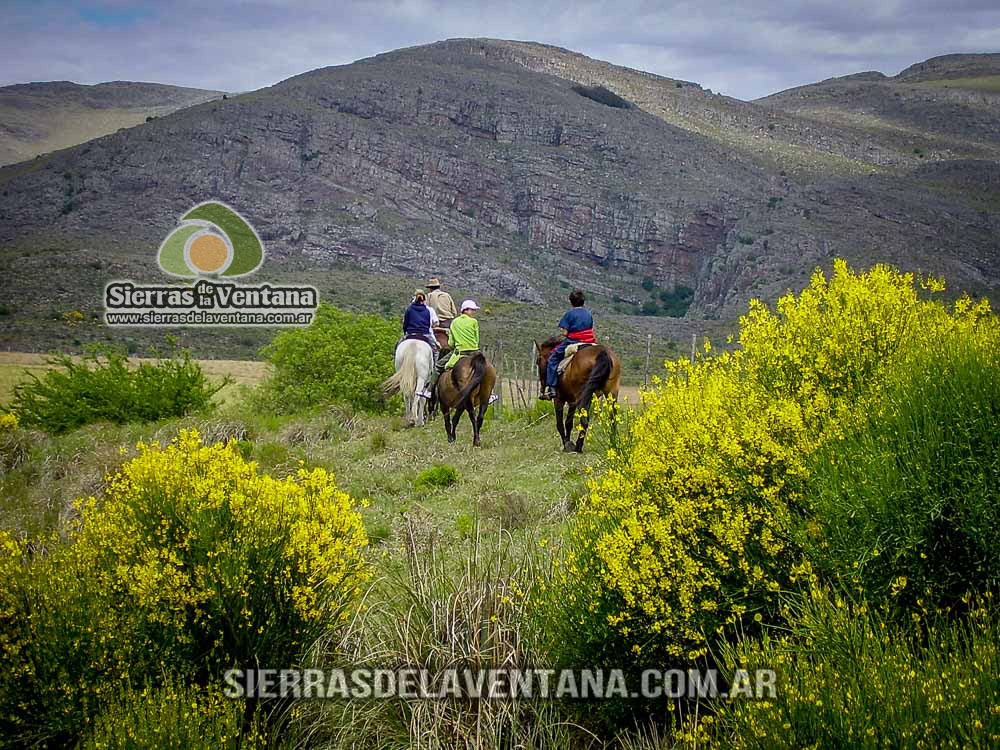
{"points": [[454, 425], [568, 429], [483, 408], [419, 403], [475, 422], [446, 418], [559, 419], [612, 396], [408, 408]]}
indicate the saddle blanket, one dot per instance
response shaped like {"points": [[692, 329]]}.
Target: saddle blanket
{"points": [[568, 355]]}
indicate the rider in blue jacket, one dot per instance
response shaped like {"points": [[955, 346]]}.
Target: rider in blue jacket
{"points": [[417, 320]]}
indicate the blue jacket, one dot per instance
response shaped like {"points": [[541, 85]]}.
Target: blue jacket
{"points": [[416, 319]]}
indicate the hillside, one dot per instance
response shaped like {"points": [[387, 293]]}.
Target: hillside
{"points": [[36, 118], [941, 109], [482, 161]]}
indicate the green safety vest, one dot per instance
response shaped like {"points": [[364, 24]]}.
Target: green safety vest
{"points": [[463, 336]]}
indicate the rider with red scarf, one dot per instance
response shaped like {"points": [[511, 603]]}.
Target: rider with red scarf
{"points": [[577, 325]]}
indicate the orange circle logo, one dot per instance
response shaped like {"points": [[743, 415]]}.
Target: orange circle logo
{"points": [[208, 253]]}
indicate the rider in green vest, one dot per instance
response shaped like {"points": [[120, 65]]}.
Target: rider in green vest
{"points": [[463, 338]]}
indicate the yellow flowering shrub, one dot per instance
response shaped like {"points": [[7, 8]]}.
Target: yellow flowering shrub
{"points": [[216, 555], [191, 561], [692, 526], [688, 532], [8, 422]]}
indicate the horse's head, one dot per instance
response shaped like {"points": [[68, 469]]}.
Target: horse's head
{"points": [[542, 352]]}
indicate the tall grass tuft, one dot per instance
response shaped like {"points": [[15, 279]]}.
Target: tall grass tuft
{"points": [[439, 612]]}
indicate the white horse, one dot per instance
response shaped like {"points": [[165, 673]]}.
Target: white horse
{"points": [[414, 361]]}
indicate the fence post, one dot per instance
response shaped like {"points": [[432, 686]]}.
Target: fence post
{"points": [[649, 345], [694, 344], [501, 369]]}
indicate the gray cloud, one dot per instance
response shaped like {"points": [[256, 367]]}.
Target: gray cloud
{"points": [[743, 50]]}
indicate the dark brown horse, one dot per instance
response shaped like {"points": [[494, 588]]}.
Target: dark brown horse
{"points": [[594, 370], [466, 387]]}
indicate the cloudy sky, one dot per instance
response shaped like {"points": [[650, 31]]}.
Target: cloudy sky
{"points": [[743, 49]]}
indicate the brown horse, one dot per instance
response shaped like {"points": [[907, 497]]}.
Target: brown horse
{"points": [[441, 334], [466, 387], [594, 370]]}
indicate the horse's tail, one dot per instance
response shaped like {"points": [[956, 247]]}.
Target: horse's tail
{"points": [[404, 379], [597, 379], [478, 365]]}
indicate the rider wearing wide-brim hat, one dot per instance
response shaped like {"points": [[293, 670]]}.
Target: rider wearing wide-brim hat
{"points": [[441, 302]]}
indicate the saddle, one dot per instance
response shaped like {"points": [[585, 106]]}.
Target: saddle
{"points": [[568, 355], [411, 337]]}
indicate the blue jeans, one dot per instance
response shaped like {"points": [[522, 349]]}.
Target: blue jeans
{"points": [[551, 376]]}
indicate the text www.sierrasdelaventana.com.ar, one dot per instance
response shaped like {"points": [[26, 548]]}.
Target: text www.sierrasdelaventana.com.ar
{"points": [[486, 684]]}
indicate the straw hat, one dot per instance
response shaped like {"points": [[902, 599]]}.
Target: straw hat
{"points": [[434, 283]]}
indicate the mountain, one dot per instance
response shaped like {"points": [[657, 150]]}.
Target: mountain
{"points": [[518, 169], [36, 118], [942, 109]]}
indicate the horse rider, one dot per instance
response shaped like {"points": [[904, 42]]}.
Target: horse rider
{"points": [[441, 302], [418, 321], [463, 335], [577, 327], [463, 338]]}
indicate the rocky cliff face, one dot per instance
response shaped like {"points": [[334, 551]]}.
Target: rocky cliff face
{"points": [[481, 160]]}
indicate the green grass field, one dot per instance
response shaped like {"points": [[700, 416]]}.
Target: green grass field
{"points": [[519, 476], [987, 84]]}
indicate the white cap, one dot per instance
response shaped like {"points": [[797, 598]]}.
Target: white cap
{"points": [[469, 305]]}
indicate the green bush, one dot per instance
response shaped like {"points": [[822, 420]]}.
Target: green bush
{"points": [[677, 302], [907, 506], [848, 677], [104, 388], [604, 96], [341, 357], [440, 475], [173, 717]]}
